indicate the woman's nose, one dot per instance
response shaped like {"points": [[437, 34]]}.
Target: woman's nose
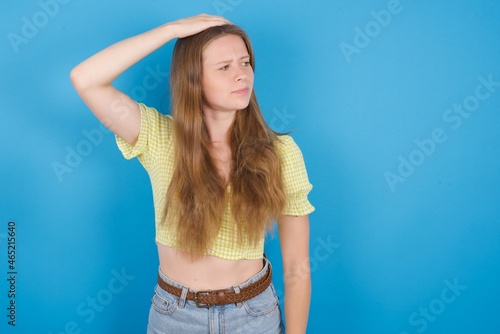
{"points": [[240, 74]]}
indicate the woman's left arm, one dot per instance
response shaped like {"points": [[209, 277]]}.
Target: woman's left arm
{"points": [[294, 241]]}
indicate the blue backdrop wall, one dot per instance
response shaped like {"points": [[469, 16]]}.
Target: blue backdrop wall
{"points": [[395, 104]]}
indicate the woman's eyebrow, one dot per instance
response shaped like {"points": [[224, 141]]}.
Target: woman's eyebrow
{"points": [[230, 60]]}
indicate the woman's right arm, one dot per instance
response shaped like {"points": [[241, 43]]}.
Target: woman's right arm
{"points": [[93, 77]]}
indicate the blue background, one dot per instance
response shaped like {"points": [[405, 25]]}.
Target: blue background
{"points": [[395, 248]]}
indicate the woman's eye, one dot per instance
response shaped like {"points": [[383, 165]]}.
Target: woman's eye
{"points": [[225, 67], [247, 63]]}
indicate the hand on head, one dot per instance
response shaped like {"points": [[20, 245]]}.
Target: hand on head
{"points": [[195, 24]]}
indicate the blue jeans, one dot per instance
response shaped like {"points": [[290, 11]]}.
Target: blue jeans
{"points": [[172, 314]]}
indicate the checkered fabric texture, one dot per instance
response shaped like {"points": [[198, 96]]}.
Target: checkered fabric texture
{"points": [[155, 151]]}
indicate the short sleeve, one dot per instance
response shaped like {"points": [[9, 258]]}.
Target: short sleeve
{"points": [[295, 179], [154, 128]]}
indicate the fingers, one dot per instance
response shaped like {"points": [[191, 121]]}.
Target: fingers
{"points": [[213, 20], [195, 24], [214, 17]]}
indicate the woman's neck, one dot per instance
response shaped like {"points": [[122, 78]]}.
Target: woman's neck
{"points": [[218, 125]]}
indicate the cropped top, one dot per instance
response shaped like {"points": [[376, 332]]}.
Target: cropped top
{"points": [[155, 150]]}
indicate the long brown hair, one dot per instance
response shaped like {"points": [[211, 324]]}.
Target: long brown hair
{"points": [[196, 198]]}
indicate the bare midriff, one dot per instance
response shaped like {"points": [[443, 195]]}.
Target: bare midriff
{"points": [[208, 272]]}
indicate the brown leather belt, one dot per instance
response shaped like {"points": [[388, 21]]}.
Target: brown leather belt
{"points": [[206, 298]]}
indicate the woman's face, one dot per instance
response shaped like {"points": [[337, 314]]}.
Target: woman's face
{"points": [[227, 76]]}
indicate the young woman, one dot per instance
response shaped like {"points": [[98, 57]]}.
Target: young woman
{"points": [[220, 178]]}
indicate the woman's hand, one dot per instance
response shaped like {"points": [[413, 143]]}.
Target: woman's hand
{"points": [[195, 24]]}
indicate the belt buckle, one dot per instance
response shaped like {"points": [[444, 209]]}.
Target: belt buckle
{"points": [[196, 296]]}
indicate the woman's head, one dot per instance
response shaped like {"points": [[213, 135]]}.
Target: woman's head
{"points": [[227, 76], [212, 69]]}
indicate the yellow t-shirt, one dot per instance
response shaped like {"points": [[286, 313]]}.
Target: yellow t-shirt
{"points": [[155, 151]]}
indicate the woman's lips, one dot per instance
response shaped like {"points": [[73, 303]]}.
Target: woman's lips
{"points": [[242, 91]]}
